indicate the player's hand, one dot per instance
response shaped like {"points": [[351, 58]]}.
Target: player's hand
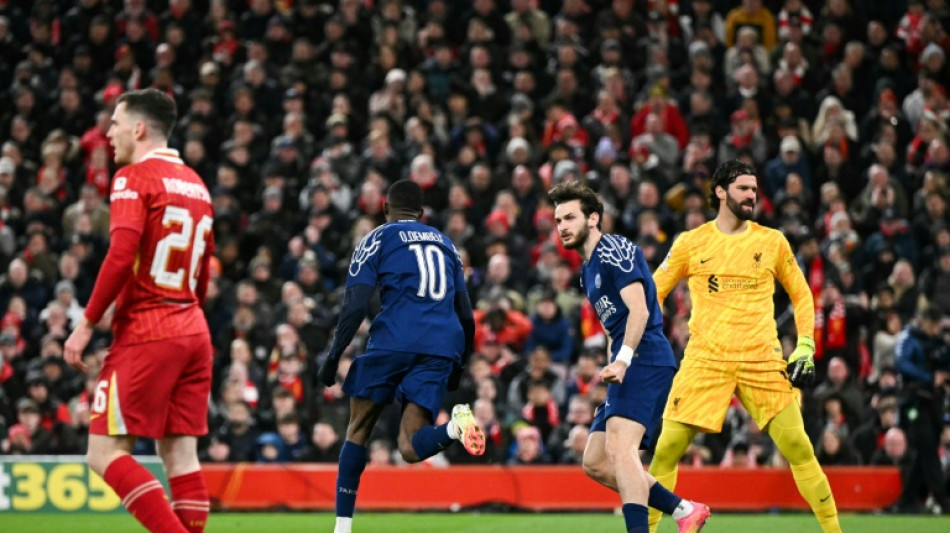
{"points": [[614, 372], [328, 369], [455, 377], [76, 345], [801, 364]]}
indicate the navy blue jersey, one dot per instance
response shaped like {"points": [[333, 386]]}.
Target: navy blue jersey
{"points": [[418, 272], [616, 263]]}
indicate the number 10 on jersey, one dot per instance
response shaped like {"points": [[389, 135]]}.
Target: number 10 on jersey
{"points": [[431, 279]]}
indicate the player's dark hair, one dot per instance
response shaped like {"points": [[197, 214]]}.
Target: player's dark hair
{"points": [[405, 195], [154, 105], [726, 174], [575, 190]]}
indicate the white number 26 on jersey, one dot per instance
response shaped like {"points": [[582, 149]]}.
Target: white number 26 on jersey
{"points": [[179, 241]]}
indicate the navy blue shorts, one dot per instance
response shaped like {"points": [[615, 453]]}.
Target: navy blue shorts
{"points": [[382, 376], [641, 398]]}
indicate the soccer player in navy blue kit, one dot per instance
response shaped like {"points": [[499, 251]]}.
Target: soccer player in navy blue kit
{"points": [[418, 343], [618, 284]]}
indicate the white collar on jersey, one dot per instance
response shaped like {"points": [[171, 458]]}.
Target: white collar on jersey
{"points": [[168, 154]]}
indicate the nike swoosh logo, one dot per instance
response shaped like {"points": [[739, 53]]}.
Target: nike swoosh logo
{"points": [[825, 498], [701, 261]]}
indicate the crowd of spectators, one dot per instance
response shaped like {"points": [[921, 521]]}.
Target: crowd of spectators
{"points": [[299, 113]]}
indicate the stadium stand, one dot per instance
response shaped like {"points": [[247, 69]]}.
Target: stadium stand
{"points": [[299, 113]]}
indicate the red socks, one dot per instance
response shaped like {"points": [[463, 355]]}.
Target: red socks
{"points": [[142, 495], [190, 500]]}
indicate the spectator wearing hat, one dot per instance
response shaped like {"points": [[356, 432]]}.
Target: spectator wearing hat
{"points": [[743, 135], [528, 448], [869, 437], [790, 160], [28, 436], [54, 414]]}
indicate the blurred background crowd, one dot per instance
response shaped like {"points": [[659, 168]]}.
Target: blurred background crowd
{"points": [[299, 113]]}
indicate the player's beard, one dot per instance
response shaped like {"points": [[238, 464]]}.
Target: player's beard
{"points": [[739, 209], [580, 238]]}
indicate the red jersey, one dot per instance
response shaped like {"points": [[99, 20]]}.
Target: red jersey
{"points": [[169, 205]]}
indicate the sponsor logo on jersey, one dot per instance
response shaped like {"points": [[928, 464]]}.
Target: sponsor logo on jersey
{"points": [[124, 195], [721, 283], [604, 308]]}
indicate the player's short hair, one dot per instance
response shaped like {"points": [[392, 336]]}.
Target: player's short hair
{"points": [[575, 190], [156, 106], [405, 194], [726, 174]]}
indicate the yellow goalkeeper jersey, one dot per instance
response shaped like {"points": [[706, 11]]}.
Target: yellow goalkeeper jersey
{"points": [[731, 282]]}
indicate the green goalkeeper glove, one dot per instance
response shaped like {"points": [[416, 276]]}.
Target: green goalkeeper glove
{"points": [[801, 364]]}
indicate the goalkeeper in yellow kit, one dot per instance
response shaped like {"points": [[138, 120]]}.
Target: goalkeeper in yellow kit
{"points": [[731, 265]]}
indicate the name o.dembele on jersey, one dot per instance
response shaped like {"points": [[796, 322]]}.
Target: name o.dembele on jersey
{"points": [[616, 263], [418, 272]]}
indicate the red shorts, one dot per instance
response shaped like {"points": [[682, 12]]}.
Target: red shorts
{"points": [[154, 389]]}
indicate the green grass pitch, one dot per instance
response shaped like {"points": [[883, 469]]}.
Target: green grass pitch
{"points": [[471, 523]]}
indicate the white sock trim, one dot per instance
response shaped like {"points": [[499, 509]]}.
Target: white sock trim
{"points": [[452, 430], [343, 524], [683, 509]]}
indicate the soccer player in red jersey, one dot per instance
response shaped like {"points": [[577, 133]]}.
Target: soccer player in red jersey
{"points": [[156, 378]]}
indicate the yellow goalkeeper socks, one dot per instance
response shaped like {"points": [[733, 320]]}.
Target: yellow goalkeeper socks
{"points": [[813, 485], [672, 444], [668, 480]]}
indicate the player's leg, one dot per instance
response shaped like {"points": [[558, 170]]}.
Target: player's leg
{"points": [[371, 384], [787, 429], [774, 405], [353, 458], [186, 420], [141, 493], [622, 447], [595, 464], [698, 400], [179, 454], [422, 391], [131, 400]]}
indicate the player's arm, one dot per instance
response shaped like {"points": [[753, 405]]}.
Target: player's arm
{"points": [[674, 268], [463, 309], [801, 363], [127, 224], [355, 303], [634, 298]]}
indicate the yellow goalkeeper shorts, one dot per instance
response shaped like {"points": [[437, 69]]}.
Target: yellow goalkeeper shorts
{"points": [[703, 389]]}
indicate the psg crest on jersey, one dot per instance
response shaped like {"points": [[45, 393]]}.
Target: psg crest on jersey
{"points": [[618, 252], [366, 249]]}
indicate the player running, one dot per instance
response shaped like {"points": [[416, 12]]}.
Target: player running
{"points": [[156, 378], [731, 265], [617, 281], [418, 343]]}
